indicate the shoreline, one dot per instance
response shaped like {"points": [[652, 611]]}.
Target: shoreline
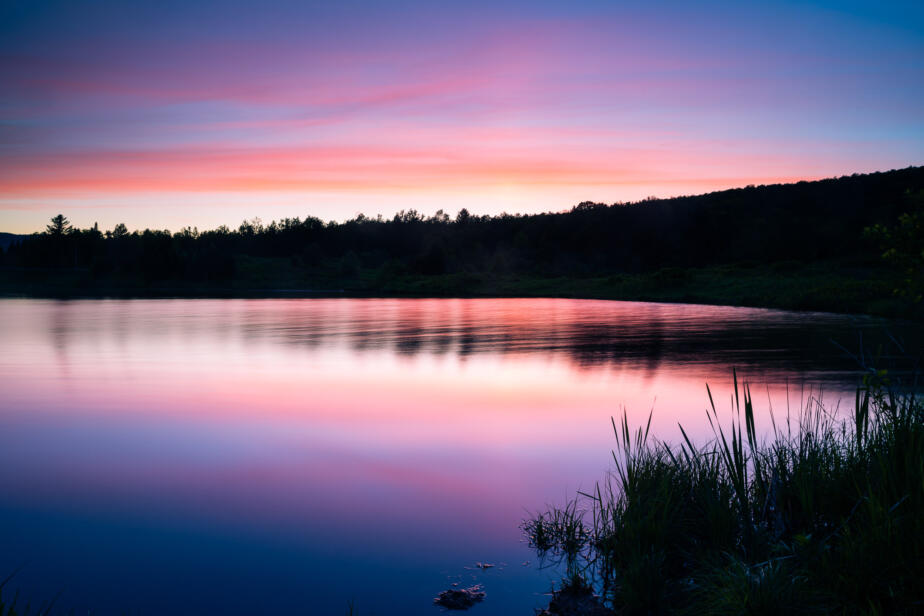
{"points": [[826, 287]]}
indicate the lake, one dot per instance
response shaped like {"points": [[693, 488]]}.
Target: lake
{"points": [[292, 455]]}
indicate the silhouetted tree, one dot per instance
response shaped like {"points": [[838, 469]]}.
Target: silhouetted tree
{"points": [[797, 223], [59, 226]]}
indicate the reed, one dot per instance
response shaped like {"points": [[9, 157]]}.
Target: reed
{"points": [[14, 608], [824, 516]]}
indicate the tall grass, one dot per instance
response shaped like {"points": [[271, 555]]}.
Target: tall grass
{"points": [[826, 516], [14, 608]]}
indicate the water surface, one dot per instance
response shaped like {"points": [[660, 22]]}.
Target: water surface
{"points": [[249, 456]]}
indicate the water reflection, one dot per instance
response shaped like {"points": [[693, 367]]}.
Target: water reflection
{"points": [[254, 455], [588, 333]]}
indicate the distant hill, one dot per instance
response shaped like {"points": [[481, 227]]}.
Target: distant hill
{"points": [[8, 238]]}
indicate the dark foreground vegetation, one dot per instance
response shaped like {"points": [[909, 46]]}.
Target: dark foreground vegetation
{"points": [[810, 245], [824, 517], [12, 606]]}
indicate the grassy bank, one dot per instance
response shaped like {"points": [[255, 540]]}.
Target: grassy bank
{"points": [[824, 516], [831, 287]]}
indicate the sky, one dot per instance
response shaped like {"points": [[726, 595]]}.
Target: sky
{"points": [[171, 114]]}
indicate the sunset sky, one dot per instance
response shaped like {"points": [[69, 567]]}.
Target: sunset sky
{"points": [[167, 114]]}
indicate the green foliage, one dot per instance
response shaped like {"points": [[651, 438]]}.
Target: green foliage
{"points": [[731, 587], [903, 245], [826, 516]]}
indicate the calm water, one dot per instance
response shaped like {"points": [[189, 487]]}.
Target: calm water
{"points": [[248, 456]]}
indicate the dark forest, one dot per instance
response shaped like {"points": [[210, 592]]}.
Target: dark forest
{"points": [[852, 233]]}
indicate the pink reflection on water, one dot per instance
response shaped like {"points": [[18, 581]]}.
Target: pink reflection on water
{"points": [[318, 415]]}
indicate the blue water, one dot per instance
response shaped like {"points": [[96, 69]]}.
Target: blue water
{"points": [[291, 456]]}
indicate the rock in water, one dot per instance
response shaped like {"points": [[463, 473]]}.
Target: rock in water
{"points": [[460, 598]]}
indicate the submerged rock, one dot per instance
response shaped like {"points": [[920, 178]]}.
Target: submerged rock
{"points": [[576, 600], [460, 598]]}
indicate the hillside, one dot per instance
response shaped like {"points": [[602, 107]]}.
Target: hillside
{"points": [[8, 238]]}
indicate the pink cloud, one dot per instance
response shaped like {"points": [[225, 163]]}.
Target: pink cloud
{"points": [[457, 162]]}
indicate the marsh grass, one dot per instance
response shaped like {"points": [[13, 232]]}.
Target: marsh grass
{"points": [[14, 608], [823, 516]]}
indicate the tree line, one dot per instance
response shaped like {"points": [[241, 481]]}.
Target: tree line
{"points": [[802, 222]]}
